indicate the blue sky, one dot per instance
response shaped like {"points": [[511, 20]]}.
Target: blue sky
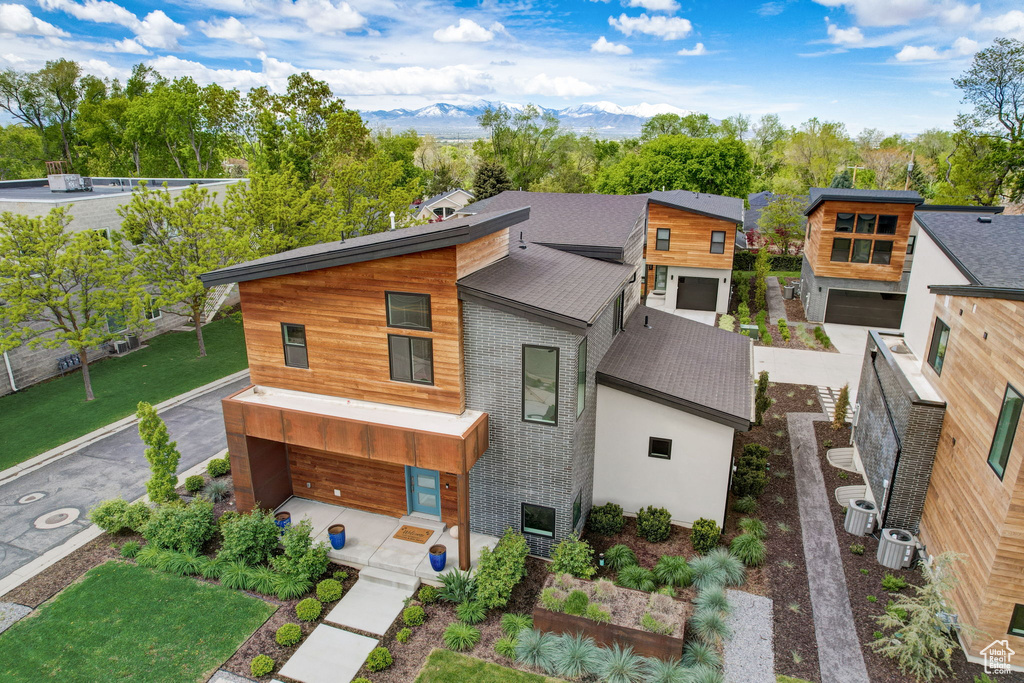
{"points": [[870, 63]]}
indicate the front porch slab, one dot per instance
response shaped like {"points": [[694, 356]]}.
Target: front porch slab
{"points": [[404, 556], [329, 655], [477, 542], [320, 515], [365, 532]]}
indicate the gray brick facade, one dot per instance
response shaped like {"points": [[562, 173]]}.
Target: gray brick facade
{"points": [[913, 432], [814, 300]]}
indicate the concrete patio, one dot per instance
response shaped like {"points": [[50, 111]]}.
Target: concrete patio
{"points": [[370, 542]]}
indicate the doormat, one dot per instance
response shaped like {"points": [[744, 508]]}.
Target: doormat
{"points": [[415, 534]]}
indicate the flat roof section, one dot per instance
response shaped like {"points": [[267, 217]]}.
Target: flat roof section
{"points": [[38, 189], [910, 365]]}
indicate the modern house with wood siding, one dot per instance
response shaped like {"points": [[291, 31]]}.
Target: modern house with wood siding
{"points": [[854, 254], [456, 371], [939, 409]]}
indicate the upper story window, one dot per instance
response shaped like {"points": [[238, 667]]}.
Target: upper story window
{"points": [[887, 225], [861, 251], [844, 222], [619, 322], [1006, 429], [152, 312], [662, 242], [540, 384], [882, 253], [911, 241], [295, 353], [411, 359], [841, 249], [581, 377], [409, 311], [717, 241], [846, 250], [937, 351], [866, 223]]}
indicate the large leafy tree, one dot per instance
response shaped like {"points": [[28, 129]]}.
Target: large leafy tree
{"points": [[59, 288], [782, 223], [816, 152], [766, 145], [21, 152], [274, 211], [527, 142], [490, 179]]}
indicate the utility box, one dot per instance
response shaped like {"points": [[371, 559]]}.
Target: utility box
{"points": [[860, 517], [787, 291], [896, 548]]}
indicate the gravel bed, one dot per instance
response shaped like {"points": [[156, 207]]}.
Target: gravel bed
{"points": [[223, 676], [11, 612], [749, 653]]}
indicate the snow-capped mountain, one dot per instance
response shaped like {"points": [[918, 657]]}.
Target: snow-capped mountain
{"points": [[605, 118]]}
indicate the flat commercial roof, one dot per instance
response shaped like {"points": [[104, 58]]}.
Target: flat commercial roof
{"points": [[38, 189]]}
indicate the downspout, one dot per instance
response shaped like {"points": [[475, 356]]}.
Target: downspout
{"points": [[895, 434], [10, 373]]}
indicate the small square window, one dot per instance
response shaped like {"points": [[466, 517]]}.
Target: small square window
{"points": [[660, 448], [1017, 621], [866, 223], [887, 225], [577, 508], [295, 354], [844, 222], [717, 241], [861, 251], [411, 359], [410, 311], [841, 249], [882, 253], [662, 242], [538, 520], [937, 351]]}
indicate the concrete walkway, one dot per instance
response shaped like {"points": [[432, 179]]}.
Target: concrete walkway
{"points": [[776, 306], [814, 368], [840, 657]]}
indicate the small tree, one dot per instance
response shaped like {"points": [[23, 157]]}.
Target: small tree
{"points": [[842, 407], [162, 454], [490, 179], [782, 223], [762, 401], [921, 642], [762, 266]]}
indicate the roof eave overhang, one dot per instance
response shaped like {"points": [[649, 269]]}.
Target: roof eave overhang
{"points": [[590, 251], [981, 292], [860, 200], [737, 422]]}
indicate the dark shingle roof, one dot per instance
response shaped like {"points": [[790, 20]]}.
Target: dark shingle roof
{"points": [[557, 286], [823, 194], [713, 205], [368, 247], [989, 253], [689, 365]]}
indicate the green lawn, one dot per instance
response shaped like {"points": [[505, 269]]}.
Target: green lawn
{"points": [[123, 622], [445, 666], [46, 415]]}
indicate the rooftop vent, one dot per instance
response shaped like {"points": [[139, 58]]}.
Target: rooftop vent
{"points": [[984, 219]]}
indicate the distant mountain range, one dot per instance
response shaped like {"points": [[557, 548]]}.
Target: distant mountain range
{"points": [[453, 120]]}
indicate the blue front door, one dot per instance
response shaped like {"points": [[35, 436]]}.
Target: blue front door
{"points": [[424, 491]]}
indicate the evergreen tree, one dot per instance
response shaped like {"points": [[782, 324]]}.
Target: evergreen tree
{"points": [[490, 179], [161, 453]]}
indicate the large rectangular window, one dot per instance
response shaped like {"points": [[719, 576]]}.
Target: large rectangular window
{"points": [[660, 277], [662, 242], [882, 253], [866, 223], [1017, 621], [410, 311], [540, 384], [937, 351], [844, 222], [861, 251], [581, 377], [412, 359], [841, 249], [717, 241], [887, 225], [1006, 429], [294, 338], [538, 520], [660, 448]]}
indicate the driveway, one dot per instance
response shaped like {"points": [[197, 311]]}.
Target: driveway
{"points": [[46, 507]]}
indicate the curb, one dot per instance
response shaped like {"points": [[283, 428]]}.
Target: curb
{"points": [[66, 449]]}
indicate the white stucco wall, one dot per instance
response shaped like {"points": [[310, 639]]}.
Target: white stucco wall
{"points": [[692, 484], [931, 267], [672, 285]]}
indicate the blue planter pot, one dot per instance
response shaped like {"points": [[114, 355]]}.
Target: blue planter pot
{"points": [[336, 533], [438, 557], [283, 520]]}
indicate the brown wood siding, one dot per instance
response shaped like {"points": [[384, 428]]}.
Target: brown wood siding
{"points": [[968, 508], [473, 256], [343, 310], [821, 224], [690, 242]]}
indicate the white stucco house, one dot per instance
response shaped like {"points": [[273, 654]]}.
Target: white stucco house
{"points": [[441, 206]]}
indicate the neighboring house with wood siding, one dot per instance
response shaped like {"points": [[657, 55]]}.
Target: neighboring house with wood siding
{"points": [[939, 409], [460, 370]]}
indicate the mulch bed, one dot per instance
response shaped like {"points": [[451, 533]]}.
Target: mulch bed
{"points": [[772, 325], [794, 307], [861, 584]]}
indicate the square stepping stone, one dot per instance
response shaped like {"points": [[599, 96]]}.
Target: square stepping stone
{"points": [[329, 655], [370, 607]]}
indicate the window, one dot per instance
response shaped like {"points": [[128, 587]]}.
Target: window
{"points": [[887, 225], [866, 223], [910, 244], [717, 241], [882, 252], [844, 222], [410, 311], [581, 377], [1017, 621], [937, 351], [412, 359], [841, 249], [152, 312], [540, 384], [861, 251], [577, 508], [663, 239], [660, 448], [660, 277], [538, 520], [1006, 428], [117, 323], [294, 337], [618, 322]]}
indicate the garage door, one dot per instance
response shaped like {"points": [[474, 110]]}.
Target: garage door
{"points": [[874, 309], [697, 293]]}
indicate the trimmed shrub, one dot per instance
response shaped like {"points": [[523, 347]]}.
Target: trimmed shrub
{"points": [[822, 338], [309, 609], [572, 556], [619, 557], [301, 556], [597, 613], [512, 624], [746, 505], [653, 524], [704, 535], [749, 549], [890, 582], [501, 569], [342, 575], [403, 635], [195, 483], [537, 649], [117, 515], [288, 635], [751, 476], [743, 310], [619, 665], [784, 330], [428, 595], [576, 603], [414, 615], [261, 665], [457, 586], [218, 467], [606, 519], [379, 659], [471, 612], [130, 549], [181, 527], [329, 590], [506, 647], [673, 570], [251, 537], [727, 323], [576, 656], [161, 453], [857, 549], [227, 516], [552, 599], [637, 578], [461, 636], [766, 337]]}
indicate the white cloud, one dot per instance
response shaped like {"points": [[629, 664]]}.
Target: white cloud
{"points": [[159, 30], [696, 51], [232, 30], [962, 47], [604, 45], [155, 30], [467, 31], [655, 5], [965, 46], [900, 12], [1010, 24], [323, 16], [18, 19], [128, 46], [844, 36], [666, 28], [100, 68], [558, 86]]}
